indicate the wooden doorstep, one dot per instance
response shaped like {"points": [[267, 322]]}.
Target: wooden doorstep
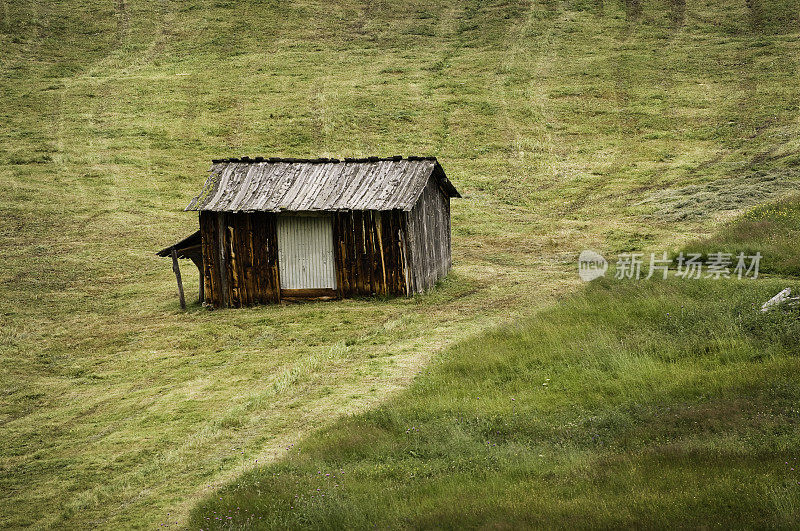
{"points": [[324, 293]]}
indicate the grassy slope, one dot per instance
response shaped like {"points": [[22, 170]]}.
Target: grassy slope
{"points": [[565, 124], [772, 229], [655, 404]]}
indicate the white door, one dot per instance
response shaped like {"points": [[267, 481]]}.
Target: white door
{"points": [[305, 252]]}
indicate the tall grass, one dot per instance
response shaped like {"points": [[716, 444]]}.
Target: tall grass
{"points": [[772, 229], [651, 404]]}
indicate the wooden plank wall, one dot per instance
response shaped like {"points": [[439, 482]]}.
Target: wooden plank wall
{"points": [[429, 242], [369, 248], [376, 253], [240, 258]]}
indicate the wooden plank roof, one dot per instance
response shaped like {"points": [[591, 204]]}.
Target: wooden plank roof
{"points": [[188, 247], [273, 184]]}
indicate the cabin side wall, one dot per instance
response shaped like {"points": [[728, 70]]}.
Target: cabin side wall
{"points": [[240, 258], [429, 240], [370, 253]]}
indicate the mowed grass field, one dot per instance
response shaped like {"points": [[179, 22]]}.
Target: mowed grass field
{"points": [[565, 125], [651, 404]]}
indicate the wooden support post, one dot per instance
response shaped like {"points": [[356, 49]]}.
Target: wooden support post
{"points": [[177, 271], [202, 296]]}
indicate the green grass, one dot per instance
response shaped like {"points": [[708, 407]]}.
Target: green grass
{"points": [[772, 229], [629, 404], [645, 405], [562, 123]]}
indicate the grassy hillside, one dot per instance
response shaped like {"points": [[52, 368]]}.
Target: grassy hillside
{"points": [[657, 403], [652, 404], [564, 124], [772, 229]]}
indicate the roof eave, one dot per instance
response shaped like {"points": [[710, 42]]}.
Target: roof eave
{"points": [[444, 182]]}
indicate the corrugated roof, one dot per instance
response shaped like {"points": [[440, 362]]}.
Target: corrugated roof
{"points": [[273, 184]]}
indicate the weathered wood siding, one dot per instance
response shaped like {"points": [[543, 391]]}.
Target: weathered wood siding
{"points": [[376, 252], [370, 253], [240, 258], [429, 238]]}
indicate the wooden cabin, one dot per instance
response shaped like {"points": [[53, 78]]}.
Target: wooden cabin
{"points": [[276, 229]]}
